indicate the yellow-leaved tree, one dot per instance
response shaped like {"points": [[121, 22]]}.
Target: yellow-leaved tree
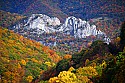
{"points": [[29, 78], [64, 77], [23, 62]]}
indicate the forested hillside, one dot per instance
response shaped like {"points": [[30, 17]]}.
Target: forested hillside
{"points": [[100, 63], [23, 60], [7, 19], [62, 41]]}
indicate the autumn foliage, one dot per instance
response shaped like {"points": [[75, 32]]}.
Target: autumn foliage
{"points": [[24, 61], [21, 59]]}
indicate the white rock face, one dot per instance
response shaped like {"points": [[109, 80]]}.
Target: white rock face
{"points": [[42, 22], [73, 26], [79, 28], [54, 21]]}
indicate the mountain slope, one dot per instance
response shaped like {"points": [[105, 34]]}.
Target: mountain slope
{"points": [[48, 7], [7, 19], [85, 9], [28, 7], [90, 8], [21, 59]]}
